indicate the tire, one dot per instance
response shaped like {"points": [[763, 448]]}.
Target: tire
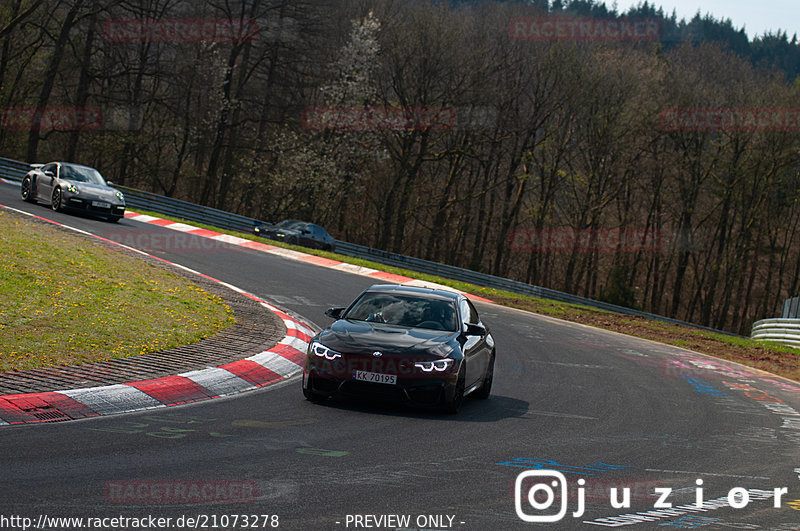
{"points": [[313, 396], [486, 388], [55, 203], [114, 219], [26, 190], [452, 406]]}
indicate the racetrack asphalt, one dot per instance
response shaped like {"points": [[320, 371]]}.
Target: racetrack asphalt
{"points": [[614, 410], [249, 355]]}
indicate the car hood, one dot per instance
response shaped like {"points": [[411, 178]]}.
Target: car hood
{"points": [[358, 337], [97, 190]]}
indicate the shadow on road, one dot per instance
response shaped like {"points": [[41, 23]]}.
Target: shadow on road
{"points": [[494, 409]]}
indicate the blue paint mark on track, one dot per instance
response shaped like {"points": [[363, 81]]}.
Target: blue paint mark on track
{"points": [[702, 386]]}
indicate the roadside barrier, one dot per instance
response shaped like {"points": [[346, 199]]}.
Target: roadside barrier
{"points": [[786, 331], [15, 170]]}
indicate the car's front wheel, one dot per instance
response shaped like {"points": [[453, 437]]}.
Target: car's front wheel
{"points": [[486, 387], [26, 189], [453, 404], [56, 200], [312, 395]]}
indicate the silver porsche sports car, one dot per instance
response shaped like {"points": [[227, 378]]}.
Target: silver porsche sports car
{"points": [[67, 186]]}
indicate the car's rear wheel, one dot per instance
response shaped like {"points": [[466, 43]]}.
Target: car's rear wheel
{"points": [[26, 189], [56, 200], [454, 404], [486, 387]]}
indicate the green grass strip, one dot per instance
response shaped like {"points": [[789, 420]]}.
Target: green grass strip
{"points": [[67, 300]]}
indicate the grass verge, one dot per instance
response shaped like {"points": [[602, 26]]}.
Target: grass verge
{"points": [[66, 300], [772, 357]]}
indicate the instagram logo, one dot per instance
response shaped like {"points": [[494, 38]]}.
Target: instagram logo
{"points": [[545, 482]]}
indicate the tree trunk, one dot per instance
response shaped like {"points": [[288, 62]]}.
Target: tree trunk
{"points": [[49, 79]]}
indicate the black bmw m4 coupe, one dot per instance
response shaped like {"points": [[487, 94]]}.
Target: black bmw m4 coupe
{"points": [[424, 346]]}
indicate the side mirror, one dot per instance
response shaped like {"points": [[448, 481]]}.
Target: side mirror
{"points": [[475, 330], [334, 313], [48, 173], [109, 183]]}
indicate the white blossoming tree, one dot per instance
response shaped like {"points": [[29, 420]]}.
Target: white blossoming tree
{"points": [[331, 157]]}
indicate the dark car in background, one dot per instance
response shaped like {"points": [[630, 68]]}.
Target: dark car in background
{"points": [[423, 346], [297, 232], [67, 186]]}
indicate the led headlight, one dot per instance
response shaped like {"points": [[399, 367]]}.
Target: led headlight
{"points": [[120, 196], [438, 365], [72, 188], [324, 352]]}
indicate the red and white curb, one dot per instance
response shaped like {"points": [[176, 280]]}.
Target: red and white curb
{"points": [[282, 361], [293, 255]]}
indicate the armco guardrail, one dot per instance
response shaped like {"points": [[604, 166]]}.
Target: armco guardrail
{"points": [[13, 170], [791, 308], [786, 331], [491, 281], [226, 220], [189, 211]]}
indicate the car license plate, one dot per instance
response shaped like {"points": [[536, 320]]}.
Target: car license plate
{"points": [[101, 204], [375, 377]]}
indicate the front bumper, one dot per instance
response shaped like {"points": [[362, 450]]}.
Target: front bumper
{"points": [[321, 378], [94, 206]]}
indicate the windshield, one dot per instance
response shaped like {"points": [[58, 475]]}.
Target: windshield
{"points": [[405, 310], [81, 174], [290, 224]]}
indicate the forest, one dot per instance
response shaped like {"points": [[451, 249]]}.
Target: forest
{"points": [[660, 172]]}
